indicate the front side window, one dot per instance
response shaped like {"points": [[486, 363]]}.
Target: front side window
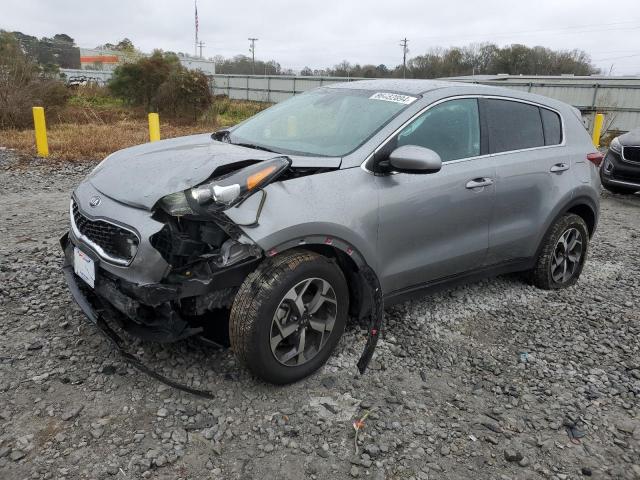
{"points": [[451, 129], [513, 125]]}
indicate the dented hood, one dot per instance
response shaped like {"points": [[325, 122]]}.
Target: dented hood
{"points": [[140, 176]]}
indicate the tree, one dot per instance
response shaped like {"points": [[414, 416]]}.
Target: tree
{"points": [[59, 50], [475, 59], [242, 65], [124, 45]]}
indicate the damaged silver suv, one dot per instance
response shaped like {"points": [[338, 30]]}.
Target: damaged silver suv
{"points": [[329, 206]]}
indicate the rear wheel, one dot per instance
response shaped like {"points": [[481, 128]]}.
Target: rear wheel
{"points": [[563, 253], [288, 316]]}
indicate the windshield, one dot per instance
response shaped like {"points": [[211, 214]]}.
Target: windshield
{"points": [[326, 122]]}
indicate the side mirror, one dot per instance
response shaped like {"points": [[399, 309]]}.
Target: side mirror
{"points": [[414, 159]]}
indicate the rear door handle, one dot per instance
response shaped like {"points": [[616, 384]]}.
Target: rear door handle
{"points": [[479, 183], [559, 167]]}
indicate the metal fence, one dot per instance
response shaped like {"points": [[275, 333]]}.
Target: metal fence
{"points": [[268, 88], [618, 98]]}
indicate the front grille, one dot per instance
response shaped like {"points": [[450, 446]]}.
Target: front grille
{"points": [[631, 154], [117, 244]]}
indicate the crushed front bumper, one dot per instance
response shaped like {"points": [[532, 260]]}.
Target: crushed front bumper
{"points": [[156, 311]]}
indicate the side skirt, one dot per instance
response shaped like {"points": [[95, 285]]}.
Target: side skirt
{"points": [[420, 290]]}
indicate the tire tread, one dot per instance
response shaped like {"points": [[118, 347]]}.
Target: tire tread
{"points": [[257, 288], [540, 275]]}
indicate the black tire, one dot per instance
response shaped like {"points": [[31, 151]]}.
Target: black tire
{"points": [[541, 275], [258, 299]]}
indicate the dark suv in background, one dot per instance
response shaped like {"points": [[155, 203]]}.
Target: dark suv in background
{"points": [[620, 171]]}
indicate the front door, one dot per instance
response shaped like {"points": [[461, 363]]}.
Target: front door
{"points": [[434, 226]]}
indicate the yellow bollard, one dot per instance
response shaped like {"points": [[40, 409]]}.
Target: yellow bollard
{"points": [[41, 132], [598, 121], [154, 127]]}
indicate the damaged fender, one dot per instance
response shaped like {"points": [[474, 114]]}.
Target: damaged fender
{"points": [[337, 225]]}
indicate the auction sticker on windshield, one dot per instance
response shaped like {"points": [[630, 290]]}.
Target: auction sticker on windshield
{"points": [[84, 267], [393, 97]]}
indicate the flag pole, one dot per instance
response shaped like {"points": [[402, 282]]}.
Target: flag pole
{"points": [[195, 50]]}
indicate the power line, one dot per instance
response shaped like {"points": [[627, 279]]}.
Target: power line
{"points": [[617, 58], [252, 49]]}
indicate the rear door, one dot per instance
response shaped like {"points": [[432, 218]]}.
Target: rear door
{"points": [[434, 226], [533, 174]]}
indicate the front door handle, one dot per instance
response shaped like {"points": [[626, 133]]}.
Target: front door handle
{"points": [[559, 167], [479, 183]]}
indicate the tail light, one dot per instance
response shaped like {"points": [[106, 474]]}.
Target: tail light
{"points": [[595, 158]]}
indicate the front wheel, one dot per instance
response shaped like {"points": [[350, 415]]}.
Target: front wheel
{"points": [[288, 316], [563, 253]]}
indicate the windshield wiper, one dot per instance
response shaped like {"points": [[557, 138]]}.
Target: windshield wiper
{"points": [[254, 146], [225, 136]]}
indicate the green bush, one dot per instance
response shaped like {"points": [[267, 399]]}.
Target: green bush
{"points": [[160, 83], [184, 93]]}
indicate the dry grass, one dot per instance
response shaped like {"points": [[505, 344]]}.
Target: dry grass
{"points": [[83, 132], [92, 141]]}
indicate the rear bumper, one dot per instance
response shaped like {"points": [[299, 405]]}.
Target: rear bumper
{"points": [[159, 312]]}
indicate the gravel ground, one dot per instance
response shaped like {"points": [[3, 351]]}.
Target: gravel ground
{"points": [[492, 380]]}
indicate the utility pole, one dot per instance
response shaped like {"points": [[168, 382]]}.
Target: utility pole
{"points": [[405, 49], [200, 46], [252, 49]]}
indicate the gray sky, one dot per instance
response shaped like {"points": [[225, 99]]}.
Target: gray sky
{"points": [[322, 33]]}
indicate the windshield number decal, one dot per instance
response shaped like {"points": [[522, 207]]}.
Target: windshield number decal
{"points": [[393, 97]]}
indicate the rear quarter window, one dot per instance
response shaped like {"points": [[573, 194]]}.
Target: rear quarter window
{"points": [[552, 127], [513, 125]]}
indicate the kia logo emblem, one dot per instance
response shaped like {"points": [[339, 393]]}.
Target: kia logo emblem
{"points": [[95, 201]]}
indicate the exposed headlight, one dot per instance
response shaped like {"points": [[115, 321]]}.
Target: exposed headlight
{"points": [[232, 189], [176, 204], [615, 145]]}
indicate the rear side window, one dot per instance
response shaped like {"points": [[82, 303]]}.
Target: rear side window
{"points": [[513, 125], [552, 127]]}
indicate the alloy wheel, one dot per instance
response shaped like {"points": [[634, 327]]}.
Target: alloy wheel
{"points": [[303, 322], [567, 256]]}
